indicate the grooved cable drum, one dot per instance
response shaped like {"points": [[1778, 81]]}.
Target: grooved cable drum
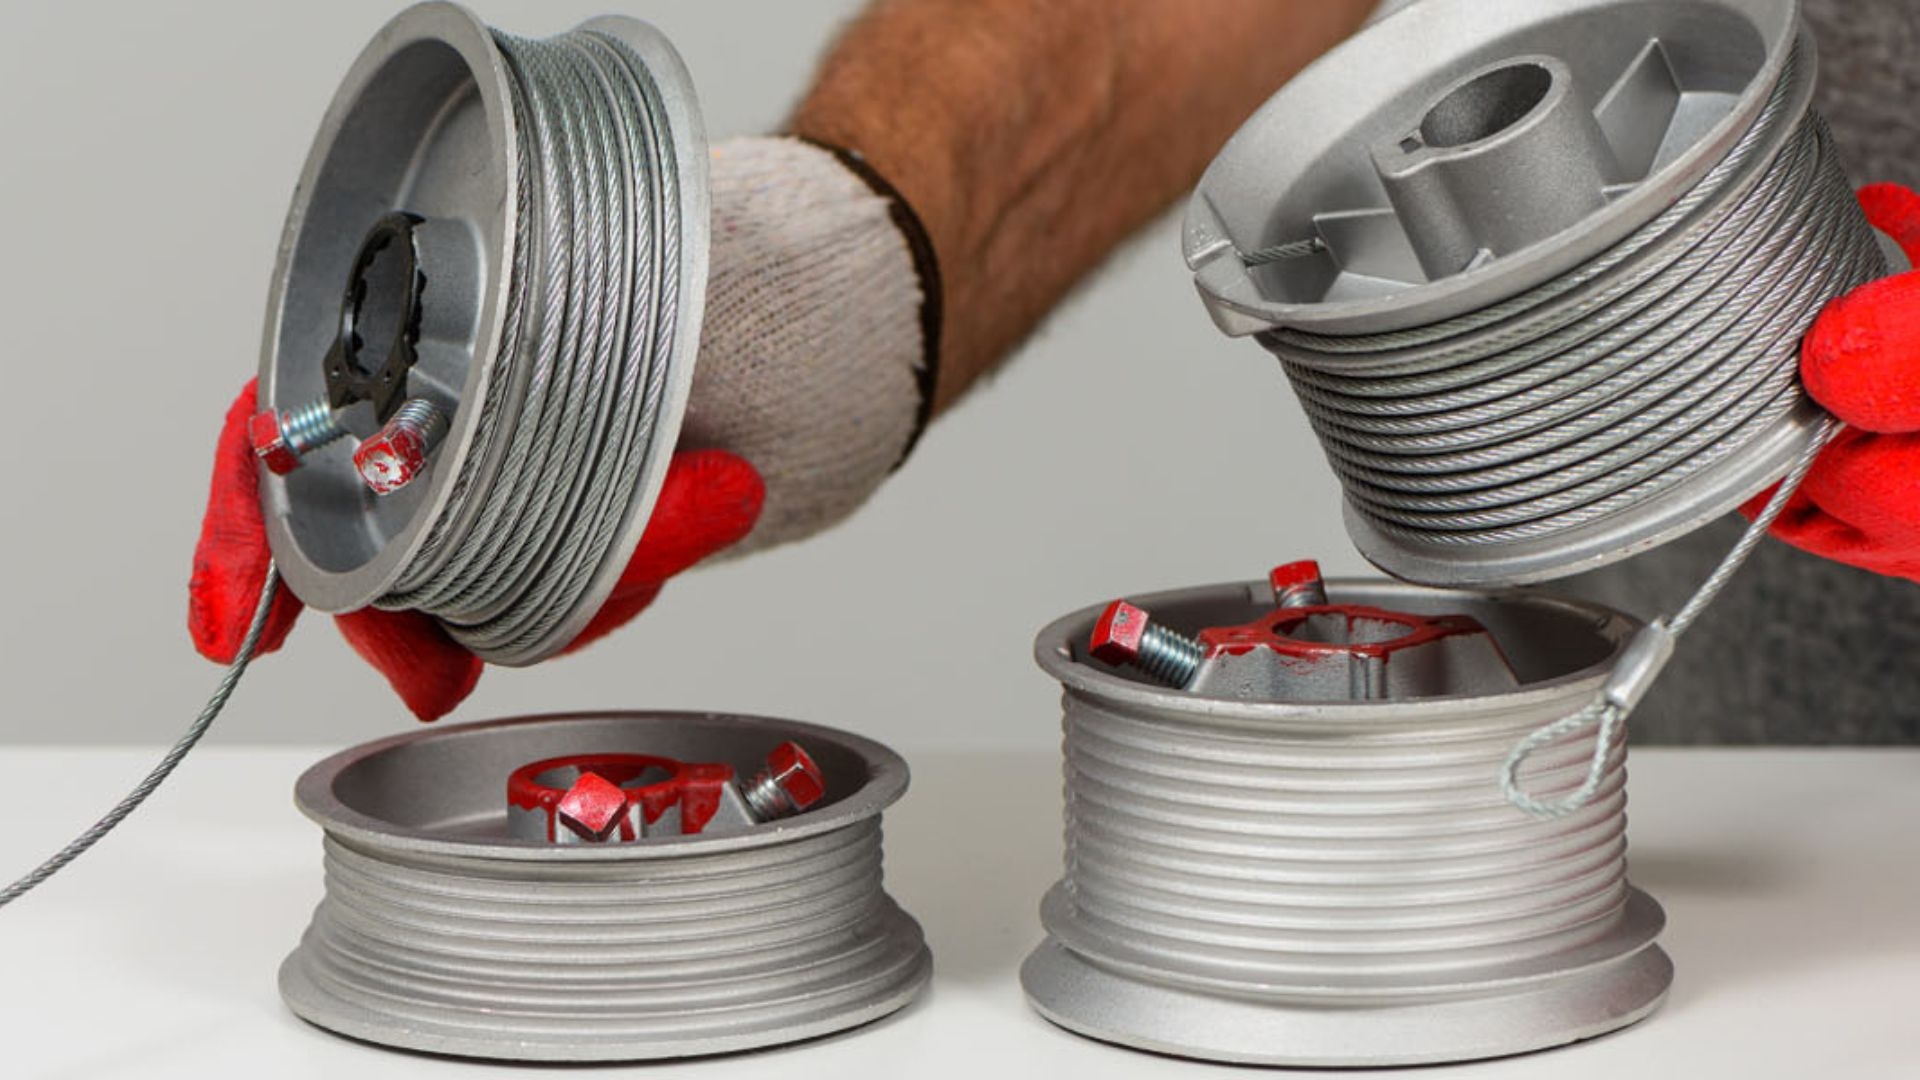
{"points": [[593, 308], [439, 931], [558, 191], [1538, 272], [1607, 386], [1341, 883]]}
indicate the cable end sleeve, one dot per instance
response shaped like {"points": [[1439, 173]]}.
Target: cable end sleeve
{"points": [[1640, 665]]}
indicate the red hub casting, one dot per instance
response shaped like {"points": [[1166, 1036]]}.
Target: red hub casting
{"points": [[602, 797]]}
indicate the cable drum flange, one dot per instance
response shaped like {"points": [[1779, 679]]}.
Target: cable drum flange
{"points": [[1517, 374], [440, 931], [560, 187], [1339, 883]]}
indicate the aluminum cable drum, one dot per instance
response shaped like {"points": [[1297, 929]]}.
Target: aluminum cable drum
{"points": [[1538, 271], [552, 198], [1339, 882], [439, 931]]}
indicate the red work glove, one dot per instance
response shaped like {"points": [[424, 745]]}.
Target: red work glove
{"points": [[709, 500], [1860, 504]]}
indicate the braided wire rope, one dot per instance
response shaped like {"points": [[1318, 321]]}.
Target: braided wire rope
{"points": [[566, 427], [1603, 388], [1672, 368], [1615, 702], [131, 802]]}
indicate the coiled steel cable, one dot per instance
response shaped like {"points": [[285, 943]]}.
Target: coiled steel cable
{"points": [[1605, 387], [565, 428], [1609, 385]]}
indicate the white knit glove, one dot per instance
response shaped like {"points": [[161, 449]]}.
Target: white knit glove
{"points": [[811, 350]]}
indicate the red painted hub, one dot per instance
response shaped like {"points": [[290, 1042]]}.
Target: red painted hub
{"points": [[604, 788], [1313, 633]]}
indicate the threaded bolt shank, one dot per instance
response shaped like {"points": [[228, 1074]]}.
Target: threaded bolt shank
{"points": [[281, 440], [310, 427], [1127, 635]]}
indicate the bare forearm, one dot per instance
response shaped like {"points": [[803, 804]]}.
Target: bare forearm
{"points": [[1032, 136]]}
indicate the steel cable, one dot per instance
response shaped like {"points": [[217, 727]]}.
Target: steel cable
{"points": [[1610, 385], [188, 739], [1617, 700], [580, 375], [1606, 387]]}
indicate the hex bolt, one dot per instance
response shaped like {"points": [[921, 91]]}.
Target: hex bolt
{"points": [[282, 440], [790, 783], [1127, 636], [399, 451], [593, 808], [1298, 584]]}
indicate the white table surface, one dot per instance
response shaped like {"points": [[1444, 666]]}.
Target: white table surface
{"points": [[1791, 881]]}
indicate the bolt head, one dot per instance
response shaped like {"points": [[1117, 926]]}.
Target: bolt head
{"points": [[1117, 634], [592, 807], [269, 445], [793, 769], [1306, 571], [1298, 584], [391, 459]]}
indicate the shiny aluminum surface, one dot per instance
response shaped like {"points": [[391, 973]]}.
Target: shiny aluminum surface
{"points": [[1538, 271], [424, 122], [1306, 162], [442, 932], [1341, 883]]}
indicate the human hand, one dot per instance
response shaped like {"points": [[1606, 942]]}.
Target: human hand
{"points": [[1860, 504], [709, 500]]}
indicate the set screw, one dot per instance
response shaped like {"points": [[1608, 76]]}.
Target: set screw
{"points": [[790, 783], [593, 807], [1298, 584], [1127, 636], [399, 451]]}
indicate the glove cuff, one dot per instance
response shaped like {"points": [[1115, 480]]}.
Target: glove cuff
{"points": [[926, 267], [815, 353]]}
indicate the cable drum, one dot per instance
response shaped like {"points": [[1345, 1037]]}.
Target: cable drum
{"points": [[1336, 882], [1554, 418], [591, 317], [559, 192], [1521, 368], [441, 930]]}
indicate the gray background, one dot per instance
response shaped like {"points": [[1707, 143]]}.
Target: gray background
{"points": [[151, 149]]}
